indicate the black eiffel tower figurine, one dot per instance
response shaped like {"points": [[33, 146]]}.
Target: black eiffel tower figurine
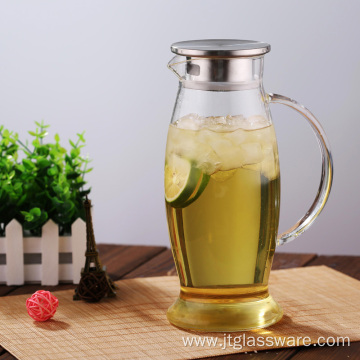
{"points": [[94, 282]]}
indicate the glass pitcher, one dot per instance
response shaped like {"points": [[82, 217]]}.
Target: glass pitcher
{"points": [[222, 186]]}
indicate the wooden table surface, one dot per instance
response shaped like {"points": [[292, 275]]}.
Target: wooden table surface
{"points": [[125, 262]]}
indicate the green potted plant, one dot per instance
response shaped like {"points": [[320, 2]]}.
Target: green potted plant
{"points": [[42, 187], [41, 181]]}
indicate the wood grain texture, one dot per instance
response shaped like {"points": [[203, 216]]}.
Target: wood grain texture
{"points": [[290, 260], [159, 265], [349, 265], [277, 354], [5, 290], [351, 352], [7, 356], [121, 259], [31, 288]]}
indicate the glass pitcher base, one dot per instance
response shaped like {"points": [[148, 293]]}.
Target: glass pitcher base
{"points": [[224, 317]]}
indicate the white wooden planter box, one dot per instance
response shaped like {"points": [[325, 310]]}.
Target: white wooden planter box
{"points": [[42, 259]]}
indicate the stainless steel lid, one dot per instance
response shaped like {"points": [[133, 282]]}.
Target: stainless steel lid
{"points": [[220, 48]]}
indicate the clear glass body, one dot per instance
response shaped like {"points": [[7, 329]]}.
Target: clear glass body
{"points": [[222, 192]]}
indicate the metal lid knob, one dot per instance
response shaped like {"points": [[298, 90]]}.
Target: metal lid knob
{"points": [[220, 48]]}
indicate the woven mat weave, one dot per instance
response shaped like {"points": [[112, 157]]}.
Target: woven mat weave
{"points": [[317, 301]]}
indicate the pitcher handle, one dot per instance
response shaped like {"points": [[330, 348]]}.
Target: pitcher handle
{"points": [[326, 171]]}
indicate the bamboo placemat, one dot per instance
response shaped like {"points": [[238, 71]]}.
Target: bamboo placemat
{"points": [[317, 301]]}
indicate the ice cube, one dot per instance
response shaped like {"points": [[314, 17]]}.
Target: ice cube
{"points": [[254, 167], [215, 123], [229, 155], [232, 159], [207, 136], [221, 145], [265, 136], [209, 163], [235, 122], [256, 122], [189, 122], [190, 147], [237, 137], [253, 153], [269, 165]]}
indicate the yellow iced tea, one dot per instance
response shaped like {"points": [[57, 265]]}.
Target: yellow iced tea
{"points": [[222, 192]]}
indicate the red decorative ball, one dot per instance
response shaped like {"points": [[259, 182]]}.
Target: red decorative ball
{"points": [[42, 305]]}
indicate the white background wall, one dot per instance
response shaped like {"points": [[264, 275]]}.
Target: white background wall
{"points": [[100, 66]]}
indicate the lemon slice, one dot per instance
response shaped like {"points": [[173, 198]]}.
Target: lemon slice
{"points": [[221, 176], [184, 182], [200, 187]]}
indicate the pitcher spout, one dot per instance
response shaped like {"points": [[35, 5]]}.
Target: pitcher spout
{"points": [[178, 66]]}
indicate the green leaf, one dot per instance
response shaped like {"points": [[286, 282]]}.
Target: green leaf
{"points": [[85, 192], [21, 201], [75, 153], [81, 136], [57, 137], [20, 167], [43, 163], [53, 171], [42, 150], [80, 182], [28, 217], [36, 143], [32, 133], [35, 211], [58, 189], [56, 201], [68, 205], [17, 186], [11, 175], [44, 216], [28, 164], [73, 175]]}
